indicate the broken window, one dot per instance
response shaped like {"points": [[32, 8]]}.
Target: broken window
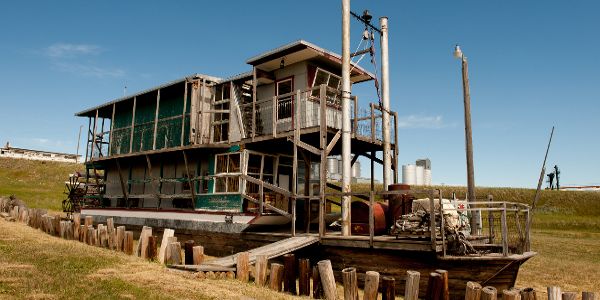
{"points": [[330, 80], [284, 102], [227, 173], [220, 120]]}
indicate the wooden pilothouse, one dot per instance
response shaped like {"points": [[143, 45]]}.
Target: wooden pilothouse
{"points": [[240, 162]]}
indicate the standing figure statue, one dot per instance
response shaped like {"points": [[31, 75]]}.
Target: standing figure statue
{"points": [[550, 180], [557, 173]]}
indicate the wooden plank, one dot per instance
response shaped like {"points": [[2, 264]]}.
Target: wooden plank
{"points": [[156, 119], [132, 125], [333, 141], [305, 146], [185, 99], [167, 233]]}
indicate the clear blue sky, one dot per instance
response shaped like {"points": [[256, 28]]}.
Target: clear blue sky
{"points": [[533, 64]]}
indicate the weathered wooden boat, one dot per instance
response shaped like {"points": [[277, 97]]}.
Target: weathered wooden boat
{"points": [[238, 163]]}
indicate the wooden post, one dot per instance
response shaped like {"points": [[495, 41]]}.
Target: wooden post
{"points": [[128, 242], [289, 282], [444, 273], [89, 220], [411, 288], [473, 291], [569, 295], [120, 237], [504, 231], [95, 238], [554, 293], [243, 266], [260, 267], [304, 277], [276, 277], [590, 296], [104, 236], [488, 293], [198, 253], [350, 284], [82, 233], [371, 285], [317, 287], [90, 235], [435, 287], [163, 245], [189, 252], [327, 279], [151, 250], [142, 248], [173, 254], [388, 288], [528, 294], [511, 295]]}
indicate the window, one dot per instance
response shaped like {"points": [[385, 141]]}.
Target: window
{"points": [[227, 173], [220, 121], [284, 104], [331, 80]]}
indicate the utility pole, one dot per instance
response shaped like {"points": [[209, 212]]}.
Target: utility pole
{"points": [[385, 99], [346, 91], [78, 142], [476, 216]]}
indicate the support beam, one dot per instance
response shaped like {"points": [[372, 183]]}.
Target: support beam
{"points": [[132, 125], [189, 177], [185, 99], [332, 143], [156, 120], [123, 188], [305, 146], [112, 127]]}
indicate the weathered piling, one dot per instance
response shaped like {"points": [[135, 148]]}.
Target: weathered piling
{"points": [[243, 266], [554, 293], [473, 291], [317, 287], [128, 243], [198, 253], [350, 283], [569, 295], [304, 277], [489, 293], [276, 277], [411, 288], [76, 223], [151, 250], [188, 248], [289, 282], [89, 220], [445, 288], [163, 244], [371, 285], [511, 295], [120, 238], [435, 287], [142, 247], [590, 296], [327, 279], [388, 288], [173, 254], [260, 270]]}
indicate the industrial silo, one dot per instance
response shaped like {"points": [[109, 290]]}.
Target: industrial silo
{"points": [[409, 175], [356, 172], [419, 170]]}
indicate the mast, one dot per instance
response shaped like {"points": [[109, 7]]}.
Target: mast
{"points": [[346, 91]]}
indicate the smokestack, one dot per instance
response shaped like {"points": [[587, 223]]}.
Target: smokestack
{"points": [[385, 99], [346, 91]]}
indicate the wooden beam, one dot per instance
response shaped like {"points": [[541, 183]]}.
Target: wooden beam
{"points": [[334, 140], [373, 157], [132, 125], [189, 176], [156, 119], [322, 169], [267, 185], [154, 181], [185, 93], [123, 188], [305, 146], [112, 127], [94, 135]]}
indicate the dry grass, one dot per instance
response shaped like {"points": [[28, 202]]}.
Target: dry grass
{"points": [[569, 259], [35, 265]]}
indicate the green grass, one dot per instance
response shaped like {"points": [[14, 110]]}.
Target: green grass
{"points": [[39, 184]]}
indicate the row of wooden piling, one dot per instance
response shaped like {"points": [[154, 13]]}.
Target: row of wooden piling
{"points": [[475, 291]]}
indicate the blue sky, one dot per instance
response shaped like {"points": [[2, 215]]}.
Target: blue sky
{"points": [[533, 64]]}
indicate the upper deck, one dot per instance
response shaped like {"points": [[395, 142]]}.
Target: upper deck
{"points": [[284, 90]]}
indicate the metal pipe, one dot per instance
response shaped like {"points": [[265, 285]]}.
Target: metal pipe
{"points": [[346, 91], [385, 99]]}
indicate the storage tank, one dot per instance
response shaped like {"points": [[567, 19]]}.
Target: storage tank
{"points": [[419, 175], [409, 174], [356, 172], [332, 165], [427, 177]]}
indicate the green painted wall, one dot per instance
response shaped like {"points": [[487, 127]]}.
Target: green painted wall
{"points": [[231, 202]]}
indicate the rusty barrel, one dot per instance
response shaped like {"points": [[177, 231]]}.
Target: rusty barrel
{"points": [[360, 217], [398, 205]]}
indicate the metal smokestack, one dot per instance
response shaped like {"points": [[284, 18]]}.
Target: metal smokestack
{"points": [[385, 99], [346, 91]]}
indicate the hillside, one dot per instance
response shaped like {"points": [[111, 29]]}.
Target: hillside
{"points": [[41, 185]]}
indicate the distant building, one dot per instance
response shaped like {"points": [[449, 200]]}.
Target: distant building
{"points": [[417, 174], [21, 153]]}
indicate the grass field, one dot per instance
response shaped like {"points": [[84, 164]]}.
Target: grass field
{"points": [[566, 234]]}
